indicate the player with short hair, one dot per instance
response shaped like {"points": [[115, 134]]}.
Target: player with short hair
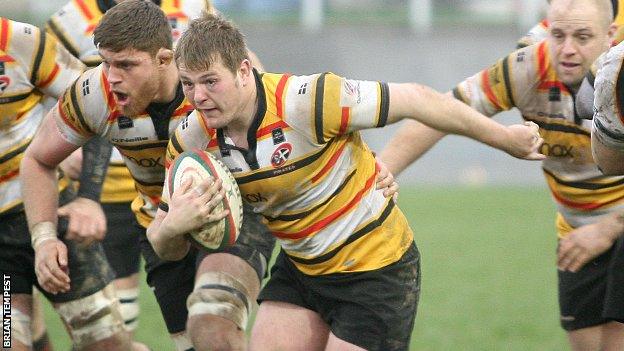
{"points": [[348, 274], [542, 81], [34, 64], [73, 25], [539, 32], [134, 100]]}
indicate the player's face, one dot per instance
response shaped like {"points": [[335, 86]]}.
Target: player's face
{"points": [[578, 35], [133, 77], [216, 93]]}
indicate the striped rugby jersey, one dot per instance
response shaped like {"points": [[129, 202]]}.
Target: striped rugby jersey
{"points": [[32, 64], [309, 173], [74, 25], [88, 108], [526, 79], [608, 121]]}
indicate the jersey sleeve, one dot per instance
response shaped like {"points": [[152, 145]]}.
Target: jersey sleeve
{"points": [[608, 122], [491, 91], [326, 105], [58, 68], [85, 108], [536, 34]]}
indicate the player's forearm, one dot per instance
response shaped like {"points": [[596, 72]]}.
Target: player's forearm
{"points": [[167, 244], [406, 146], [612, 226], [446, 114], [39, 191], [609, 160]]}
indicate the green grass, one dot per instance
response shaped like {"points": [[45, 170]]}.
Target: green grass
{"points": [[489, 278]]}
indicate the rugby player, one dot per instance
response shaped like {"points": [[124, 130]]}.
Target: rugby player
{"points": [[134, 100], [34, 64], [347, 277], [542, 81], [73, 25]]}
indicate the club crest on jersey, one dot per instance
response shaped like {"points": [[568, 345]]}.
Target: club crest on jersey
{"points": [[278, 136], [281, 154], [351, 92], [4, 83]]}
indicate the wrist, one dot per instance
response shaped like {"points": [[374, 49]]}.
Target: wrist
{"points": [[42, 232]]}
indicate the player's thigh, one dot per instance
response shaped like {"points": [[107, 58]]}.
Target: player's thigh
{"points": [[121, 243], [582, 294], [613, 309], [171, 282], [336, 344], [288, 327]]}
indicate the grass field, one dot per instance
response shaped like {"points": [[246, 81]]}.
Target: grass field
{"points": [[489, 278]]}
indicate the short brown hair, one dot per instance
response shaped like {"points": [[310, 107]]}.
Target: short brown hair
{"points": [[134, 24], [209, 38]]}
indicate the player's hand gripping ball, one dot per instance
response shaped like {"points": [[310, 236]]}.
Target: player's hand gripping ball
{"points": [[199, 165]]}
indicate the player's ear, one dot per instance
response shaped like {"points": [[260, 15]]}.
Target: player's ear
{"points": [[164, 57], [245, 70]]}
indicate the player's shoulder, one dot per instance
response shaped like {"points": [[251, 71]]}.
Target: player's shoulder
{"points": [[192, 132], [21, 40], [90, 97]]}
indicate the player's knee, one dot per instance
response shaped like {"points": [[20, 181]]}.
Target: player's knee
{"points": [[129, 307], [213, 333], [94, 318], [20, 327], [220, 294]]}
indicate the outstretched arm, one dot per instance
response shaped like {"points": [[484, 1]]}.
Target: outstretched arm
{"points": [[448, 115]]}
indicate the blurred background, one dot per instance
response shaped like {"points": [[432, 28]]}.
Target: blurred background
{"points": [[483, 221], [437, 43]]}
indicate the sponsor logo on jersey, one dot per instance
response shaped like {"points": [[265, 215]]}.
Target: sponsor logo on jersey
{"points": [[4, 83], [147, 162], [125, 122], [280, 155], [556, 150], [278, 136], [352, 88]]}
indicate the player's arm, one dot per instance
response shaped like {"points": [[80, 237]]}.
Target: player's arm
{"points": [[40, 195], [589, 241], [609, 158], [448, 115], [189, 207]]}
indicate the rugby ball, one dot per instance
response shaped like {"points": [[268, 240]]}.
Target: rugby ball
{"points": [[199, 165]]}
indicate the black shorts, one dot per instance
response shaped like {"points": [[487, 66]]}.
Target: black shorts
{"points": [[88, 268], [595, 294], [173, 281], [121, 243], [374, 310]]}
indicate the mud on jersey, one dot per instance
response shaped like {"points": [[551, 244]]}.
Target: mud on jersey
{"points": [[89, 108], [32, 64], [308, 172], [608, 122], [74, 25], [526, 79]]}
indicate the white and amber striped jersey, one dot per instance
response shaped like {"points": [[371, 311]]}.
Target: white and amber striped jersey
{"points": [[527, 80], [608, 122], [74, 25], [32, 65], [88, 108], [309, 173]]}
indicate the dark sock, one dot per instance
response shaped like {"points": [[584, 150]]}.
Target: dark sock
{"points": [[43, 343]]}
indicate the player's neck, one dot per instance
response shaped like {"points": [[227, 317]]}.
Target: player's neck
{"points": [[168, 85], [246, 114]]}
